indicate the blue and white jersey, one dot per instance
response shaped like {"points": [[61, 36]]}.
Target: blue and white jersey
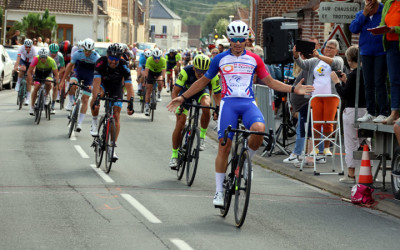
{"points": [[84, 65], [142, 61]]}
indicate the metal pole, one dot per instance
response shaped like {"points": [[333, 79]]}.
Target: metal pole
{"points": [[128, 33], [146, 39], [95, 12], [136, 22], [4, 23]]}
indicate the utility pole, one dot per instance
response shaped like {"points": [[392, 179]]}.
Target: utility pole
{"points": [[3, 24], [147, 31], [136, 22], [128, 41], [95, 12]]}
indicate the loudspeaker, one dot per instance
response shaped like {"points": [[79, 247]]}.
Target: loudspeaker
{"points": [[280, 35]]}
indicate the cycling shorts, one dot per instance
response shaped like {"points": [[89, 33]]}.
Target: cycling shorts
{"points": [[230, 110], [42, 75], [170, 66], [197, 97], [25, 63], [152, 76], [87, 82], [115, 92]]}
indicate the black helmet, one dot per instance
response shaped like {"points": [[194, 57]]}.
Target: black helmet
{"points": [[114, 50]]}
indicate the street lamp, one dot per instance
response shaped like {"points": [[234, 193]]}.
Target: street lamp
{"points": [[230, 18]]}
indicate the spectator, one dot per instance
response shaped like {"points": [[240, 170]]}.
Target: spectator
{"points": [[249, 44], [373, 59], [220, 48], [35, 42], [40, 42], [46, 42], [214, 52], [390, 18], [318, 71], [347, 92], [14, 38]]}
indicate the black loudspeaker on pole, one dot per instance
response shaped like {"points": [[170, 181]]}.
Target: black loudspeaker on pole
{"points": [[280, 35]]}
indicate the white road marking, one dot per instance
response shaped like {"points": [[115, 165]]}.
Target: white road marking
{"points": [[146, 213], [81, 152], [103, 175], [181, 244]]}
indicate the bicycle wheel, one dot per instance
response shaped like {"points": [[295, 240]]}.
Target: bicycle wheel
{"points": [[182, 154], [142, 100], [395, 178], [228, 191], [99, 142], [242, 188], [153, 103], [48, 109], [73, 118], [109, 145], [21, 94], [39, 107], [62, 99], [193, 157]]}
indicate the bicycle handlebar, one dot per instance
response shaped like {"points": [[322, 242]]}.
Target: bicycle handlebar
{"points": [[113, 100], [42, 80], [243, 131], [199, 106]]}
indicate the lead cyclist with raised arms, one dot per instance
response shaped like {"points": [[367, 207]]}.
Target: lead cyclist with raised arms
{"points": [[237, 67]]}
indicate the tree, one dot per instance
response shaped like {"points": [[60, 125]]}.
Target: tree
{"points": [[221, 25], [221, 10], [33, 25]]}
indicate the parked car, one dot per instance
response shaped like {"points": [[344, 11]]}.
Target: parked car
{"points": [[13, 54], [6, 68], [101, 48]]}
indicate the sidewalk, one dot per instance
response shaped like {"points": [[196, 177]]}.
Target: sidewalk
{"points": [[384, 200]]}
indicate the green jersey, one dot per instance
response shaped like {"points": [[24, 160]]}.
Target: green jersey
{"points": [[156, 67]]}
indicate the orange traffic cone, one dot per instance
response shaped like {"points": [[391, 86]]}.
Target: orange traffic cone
{"points": [[365, 176]]}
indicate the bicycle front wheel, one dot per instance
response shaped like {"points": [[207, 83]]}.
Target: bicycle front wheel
{"points": [[109, 145], [21, 94], [39, 107], [193, 156], [182, 154], [242, 188], [73, 118], [62, 99], [99, 142]]}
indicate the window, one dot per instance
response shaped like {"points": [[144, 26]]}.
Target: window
{"points": [[164, 29], [152, 29], [65, 32]]}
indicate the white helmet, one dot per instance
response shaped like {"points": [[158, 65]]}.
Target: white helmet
{"points": [[28, 43], [147, 53], [156, 52], [123, 46], [43, 52], [237, 29], [88, 44], [80, 43]]}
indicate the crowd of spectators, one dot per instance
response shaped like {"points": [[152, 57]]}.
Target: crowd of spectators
{"points": [[37, 41]]}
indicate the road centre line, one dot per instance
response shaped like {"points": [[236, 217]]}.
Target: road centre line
{"points": [[181, 244], [136, 204], [103, 175], [81, 152]]}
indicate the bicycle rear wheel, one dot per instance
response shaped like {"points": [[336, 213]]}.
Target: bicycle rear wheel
{"points": [[142, 100], [153, 103], [109, 145], [182, 154], [99, 142], [193, 150], [48, 109], [242, 188]]}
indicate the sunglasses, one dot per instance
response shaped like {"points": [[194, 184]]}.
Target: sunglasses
{"points": [[88, 50], [200, 72], [238, 39], [156, 57], [113, 58]]}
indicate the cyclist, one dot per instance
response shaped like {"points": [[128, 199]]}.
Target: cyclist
{"points": [[155, 70], [44, 67], [59, 59], [77, 47], [85, 60], [187, 77], [110, 75], [140, 69], [173, 64], [24, 59], [186, 57], [66, 51], [237, 67]]}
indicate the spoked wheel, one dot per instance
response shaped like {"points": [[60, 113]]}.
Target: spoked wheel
{"points": [[73, 118], [193, 149], [182, 154], [396, 174], [99, 142], [109, 146], [242, 188]]}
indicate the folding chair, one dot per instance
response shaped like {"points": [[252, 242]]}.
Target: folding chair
{"points": [[321, 138]]}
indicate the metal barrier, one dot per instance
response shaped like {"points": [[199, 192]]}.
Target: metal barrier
{"points": [[264, 98]]}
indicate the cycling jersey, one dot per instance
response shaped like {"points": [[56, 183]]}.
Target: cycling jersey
{"points": [[43, 70], [84, 68], [187, 77], [237, 73], [111, 79], [156, 67], [74, 49], [142, 61], [173, 59], [65, 49], [127, 55], [27, 57], [59, 59]]}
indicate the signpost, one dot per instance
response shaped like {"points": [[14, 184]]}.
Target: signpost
{"points": [[338, 12]]}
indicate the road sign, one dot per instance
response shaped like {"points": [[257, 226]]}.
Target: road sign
{"points": [[337, 12], [339, 36]]}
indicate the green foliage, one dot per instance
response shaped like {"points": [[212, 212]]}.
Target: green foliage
{"points": [[221, 25], [221, 10], [33, 25]]}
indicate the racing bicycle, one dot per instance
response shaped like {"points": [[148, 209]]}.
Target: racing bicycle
{"points": [[22, 91], [41, 104], [74, 113]]}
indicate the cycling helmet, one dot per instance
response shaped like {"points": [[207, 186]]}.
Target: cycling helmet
{"points": [[237, 29], [114, 50], [28, 43], [123, 46], [156, 53], [80, 44], [201, 62], [172, 50], [88, 44], [43, 52], [54, 48], [147, 53]]}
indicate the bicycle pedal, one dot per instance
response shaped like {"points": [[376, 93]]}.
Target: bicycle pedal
{"points": [[220, 207]]}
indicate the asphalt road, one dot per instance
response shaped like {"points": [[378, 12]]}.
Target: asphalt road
{"points": [[51, 196]]}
